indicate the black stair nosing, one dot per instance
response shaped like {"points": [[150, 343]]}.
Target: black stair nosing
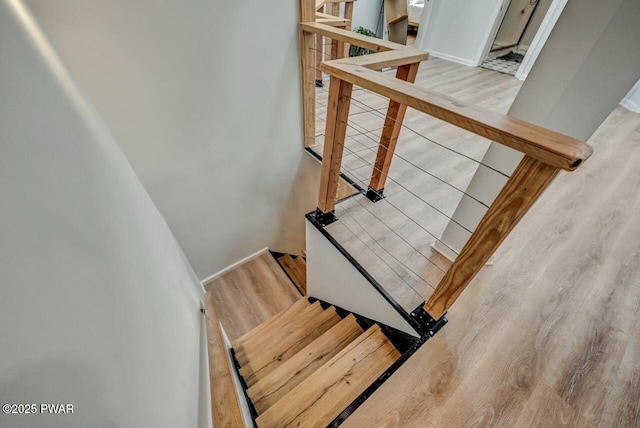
{"points": [[406, 345], [353, 406], [245, 387], [276, 254], [399, 339]]}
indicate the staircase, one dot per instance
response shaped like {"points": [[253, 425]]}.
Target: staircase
{"points": [[306, 365], [296, 268]]}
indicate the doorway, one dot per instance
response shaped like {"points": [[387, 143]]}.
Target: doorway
{"points": [[515, 34], [514, 24]]}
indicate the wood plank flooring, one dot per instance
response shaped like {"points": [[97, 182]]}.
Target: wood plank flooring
{"points": [[251, 294], [549, 335]]}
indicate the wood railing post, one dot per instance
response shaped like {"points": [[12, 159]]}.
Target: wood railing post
{"points": [[526, 184], [335, 133], [348, 14], [389, 138], [307, 62], [337, 46], [319, 55]]}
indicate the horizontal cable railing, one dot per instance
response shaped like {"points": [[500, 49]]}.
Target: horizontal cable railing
{"points": [[545, 151]]}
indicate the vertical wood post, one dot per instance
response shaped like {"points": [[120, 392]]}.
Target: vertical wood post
{"points": [[307, 61], [319, 56], [337, 47], [319, 53], [526, 184], [389, 138], [336, 131], [348, 14]]}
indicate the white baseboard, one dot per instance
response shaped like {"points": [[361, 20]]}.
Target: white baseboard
{"points": [[630, 105], [463, 61], [233, 266]]}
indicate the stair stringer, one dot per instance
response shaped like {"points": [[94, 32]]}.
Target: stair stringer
{"points": [[247, 418], [332, 278]]}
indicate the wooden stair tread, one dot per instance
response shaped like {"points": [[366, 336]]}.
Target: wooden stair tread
{"points": [[294, 371], [295, 271], [279, 352], [297, 307], [326, 392], [301, 262], [279, 331]]}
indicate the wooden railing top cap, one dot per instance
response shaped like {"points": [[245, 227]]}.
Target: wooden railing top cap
{"points": [[548, 146]]}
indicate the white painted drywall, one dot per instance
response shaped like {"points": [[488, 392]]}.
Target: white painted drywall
{"points": [[458, 30], [367, 14], [332, 278], [204, 99], [98, 306]]}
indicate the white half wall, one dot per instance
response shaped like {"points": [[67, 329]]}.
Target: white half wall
{"points": [[98, 306], [204, 99], [332, 278], [458, 30]]}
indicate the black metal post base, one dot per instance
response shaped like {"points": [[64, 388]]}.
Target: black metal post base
{"points": [[374, 195], [429, 324], [325, 219]]}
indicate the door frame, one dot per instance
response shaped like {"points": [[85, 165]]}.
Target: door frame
{"points": [[549, 21]]}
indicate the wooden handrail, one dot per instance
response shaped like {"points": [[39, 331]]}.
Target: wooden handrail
{"points": [[546, 151], [333, 21], [371, 43], [386, 59], [545, 145]]}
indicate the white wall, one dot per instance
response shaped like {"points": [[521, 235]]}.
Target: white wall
{"points": [[332, 278], [366, 13], [204, 99], [98, 306], [458, 30]]}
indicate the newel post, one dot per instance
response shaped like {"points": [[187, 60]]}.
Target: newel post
{"points": [[520, 192], [335, 134], [389, 137]]}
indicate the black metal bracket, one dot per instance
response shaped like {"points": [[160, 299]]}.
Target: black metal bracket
{"points": [[245, 387], [428, 323], [324, 219], [319, 83], [375, 195]]}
